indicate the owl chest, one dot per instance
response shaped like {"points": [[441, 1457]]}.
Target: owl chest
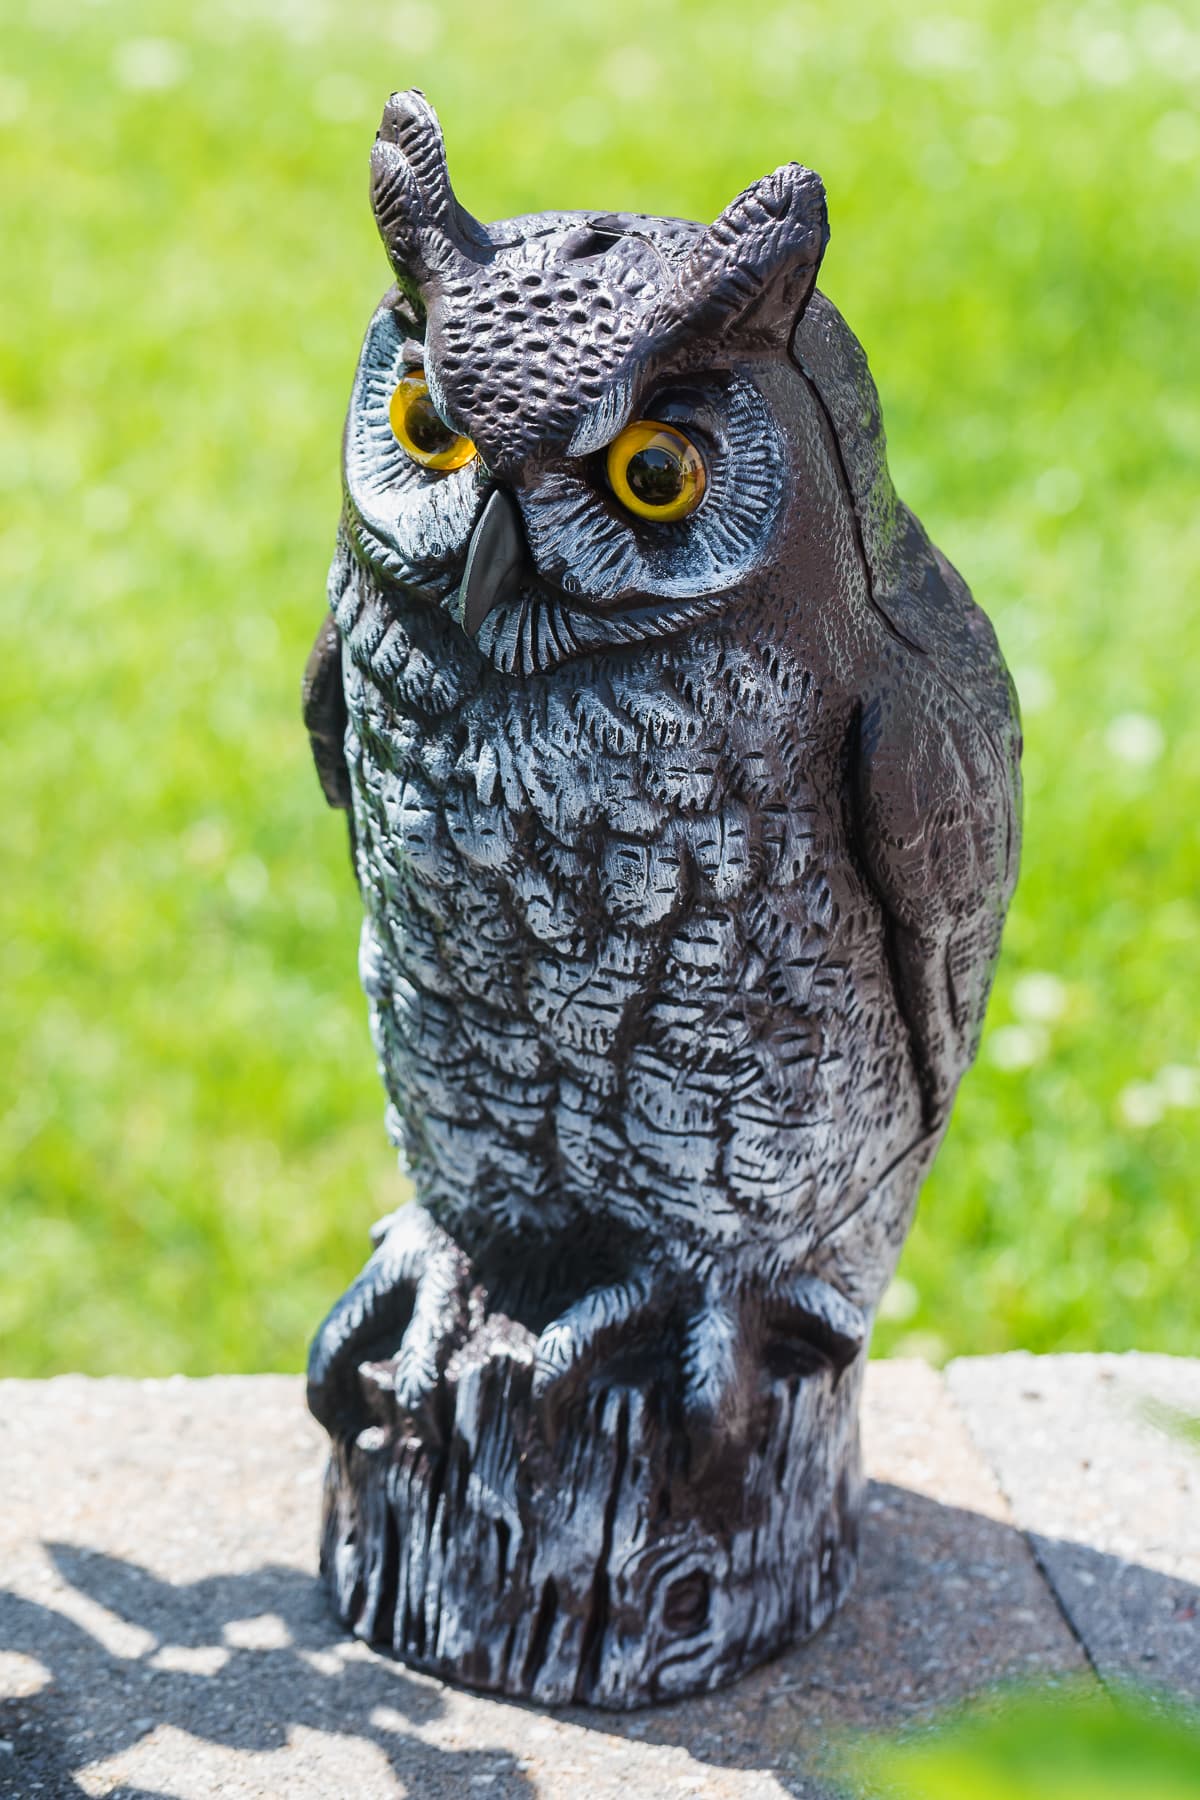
{"points": [[606, 842], [563, 823]]}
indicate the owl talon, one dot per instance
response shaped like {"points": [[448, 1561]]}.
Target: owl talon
{"points": [[570, 1348], [796, 1324], [815, 1322], [407, 1312], [714, 1376], [717, 1381]]}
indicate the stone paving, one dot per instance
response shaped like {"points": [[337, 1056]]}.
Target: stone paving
{"points": [[162, 1633]]}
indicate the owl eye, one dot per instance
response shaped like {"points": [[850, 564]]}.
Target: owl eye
{"points": [[655, 471], [418, 429]]}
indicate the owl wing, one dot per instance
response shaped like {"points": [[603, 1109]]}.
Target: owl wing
{"points": [[937, 784], [937, 800], [324, 705]]}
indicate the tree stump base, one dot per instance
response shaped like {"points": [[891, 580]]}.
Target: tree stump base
{"points": [[601, 1569]]}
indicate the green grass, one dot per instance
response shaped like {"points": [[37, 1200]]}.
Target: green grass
{"points": [[191, 1137], [1077, 1743]]}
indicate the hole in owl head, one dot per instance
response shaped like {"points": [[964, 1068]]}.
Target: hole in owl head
{"points": [[589, 241]]}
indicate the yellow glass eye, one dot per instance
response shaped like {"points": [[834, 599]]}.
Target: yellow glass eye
{"points": [[655, 471], [419, 430]]}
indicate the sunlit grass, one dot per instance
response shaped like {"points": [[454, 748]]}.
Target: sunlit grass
{"points": [[1039, 1745], [191, 1137]]}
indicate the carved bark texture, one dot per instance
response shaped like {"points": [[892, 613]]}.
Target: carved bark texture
{"points": [[599, 1571]]}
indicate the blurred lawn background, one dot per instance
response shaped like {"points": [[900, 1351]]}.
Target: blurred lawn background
{"points": [[192, 1142]]}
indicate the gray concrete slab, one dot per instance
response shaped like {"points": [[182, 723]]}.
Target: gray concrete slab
{"points": [[162, 1633], [1109, 1493]]}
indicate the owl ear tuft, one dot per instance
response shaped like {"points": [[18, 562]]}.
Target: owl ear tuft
{"points": [[424, 229], [752, 271]]}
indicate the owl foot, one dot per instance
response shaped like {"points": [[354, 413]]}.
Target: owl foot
{"points": [[589, 1334], [396, 1326], [723, 1339]]}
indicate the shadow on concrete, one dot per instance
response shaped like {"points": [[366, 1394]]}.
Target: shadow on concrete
{"points": [[948, 1602], [236, 1660]]}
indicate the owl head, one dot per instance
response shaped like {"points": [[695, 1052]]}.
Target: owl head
{"points": [[571, 430]]}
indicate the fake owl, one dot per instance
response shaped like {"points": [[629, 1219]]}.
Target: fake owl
{"points": [[683, 780]]}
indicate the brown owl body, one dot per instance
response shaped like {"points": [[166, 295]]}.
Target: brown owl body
{"points": [[685, 845]]}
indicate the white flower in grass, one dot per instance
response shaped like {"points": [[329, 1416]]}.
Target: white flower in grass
{"points": [[900, 1301], [1015, 1047], [149, 65], [1135, 739], [1143, 1103], [1178, 1084], [1039, 998], [1140, 1105], [1107, 57], [248, 880], [1058, 492], [1035, 687]]}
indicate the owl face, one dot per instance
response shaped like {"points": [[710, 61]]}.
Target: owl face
{"points": [[570, 431]]}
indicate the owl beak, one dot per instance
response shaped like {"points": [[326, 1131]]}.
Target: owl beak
{"points": [[497, 562]]}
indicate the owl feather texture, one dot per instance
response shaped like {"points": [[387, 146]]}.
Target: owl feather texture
{"points": [[685, 844]]}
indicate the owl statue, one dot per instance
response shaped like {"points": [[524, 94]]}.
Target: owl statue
{"points": [[682, 776]]}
